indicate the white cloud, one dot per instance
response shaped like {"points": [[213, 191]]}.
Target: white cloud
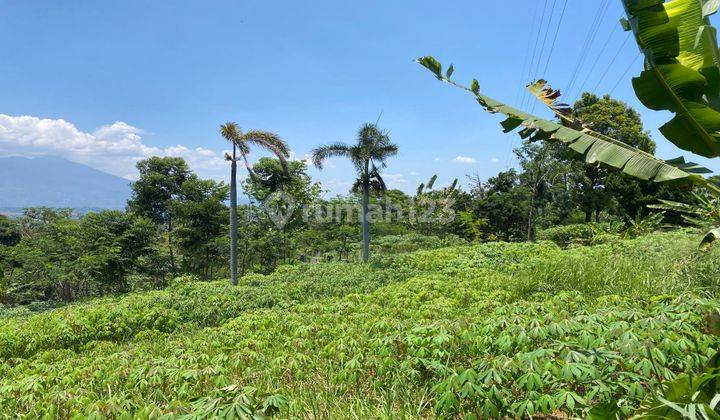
{"points": [[464, 160], [395, 181], [114, 148], [494, 160], [437, 159]]}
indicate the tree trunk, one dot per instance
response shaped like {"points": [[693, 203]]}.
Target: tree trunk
{"points": [[588, 215], [233, 219], [365, 223], [173, 269], [566, 200], [531, 219]]}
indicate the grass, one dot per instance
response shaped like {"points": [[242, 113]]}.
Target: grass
{"points": [[490, 330]]}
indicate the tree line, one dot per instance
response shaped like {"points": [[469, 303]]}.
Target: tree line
{"points": [[177, 223]]}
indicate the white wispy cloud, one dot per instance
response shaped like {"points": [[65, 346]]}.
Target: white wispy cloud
{"points": [[114, 148], [395, 181], [494, 160], [465, 160]]}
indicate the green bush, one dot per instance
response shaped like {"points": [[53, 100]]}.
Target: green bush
{"points": [[493, 330], [581, 234]]}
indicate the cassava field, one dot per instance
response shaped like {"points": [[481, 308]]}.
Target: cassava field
{"points": [[491, 330]]}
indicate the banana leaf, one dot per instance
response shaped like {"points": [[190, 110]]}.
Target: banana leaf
{"points": [[595, 148], [682, 69]]}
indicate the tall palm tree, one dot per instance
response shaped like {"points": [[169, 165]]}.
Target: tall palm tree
{"points": [[241, 142], [369, 156]]}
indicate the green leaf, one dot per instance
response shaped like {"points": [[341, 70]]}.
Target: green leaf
{"points": [[475, 86], [605, 411], [431, 64], [450, 71], [682, 72], [594, 147]]}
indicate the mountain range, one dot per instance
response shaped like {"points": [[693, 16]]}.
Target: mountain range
{"points": [[57, 182]]}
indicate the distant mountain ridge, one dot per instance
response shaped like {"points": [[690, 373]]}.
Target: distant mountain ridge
{"points": [[57, 182]]}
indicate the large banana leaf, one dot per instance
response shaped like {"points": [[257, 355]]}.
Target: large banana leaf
{"points": [[595, 147], [682, 72]]}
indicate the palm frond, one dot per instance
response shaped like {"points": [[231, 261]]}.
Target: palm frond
{"points": [[682, 71], [369, 134], [377, 182], [322, 153], [268, 140], [230, 131], [431, 182]]}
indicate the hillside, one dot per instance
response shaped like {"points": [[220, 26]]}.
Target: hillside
{"points": [[495, 329], [56, 182]]}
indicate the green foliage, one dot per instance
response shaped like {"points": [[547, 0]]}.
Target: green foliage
{"points": [[202, 222], [199, 303], [9, 234], [579, 234], [458, 334], [594, 147], [682, 73], [160, 182], [392, 245], [64, 258]]}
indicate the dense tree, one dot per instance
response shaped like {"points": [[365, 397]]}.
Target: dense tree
{"points": [[540, 171], [113, 242], [160, 183], [597, 187], [271, 178], [369, 156], [9, 233], [505, 206], [202, 222], [65, 258]]}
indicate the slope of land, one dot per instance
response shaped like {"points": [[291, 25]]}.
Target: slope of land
{"points": [[56, 182], [494, 329]]}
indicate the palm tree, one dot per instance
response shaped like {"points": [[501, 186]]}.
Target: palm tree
{"points": [[368, 156], [241, 142]]}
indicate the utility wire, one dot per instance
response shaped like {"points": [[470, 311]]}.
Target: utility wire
{"points": [[521, 83], [597, 59], [542, 49], [537, 39], [609, 66], [523, 91], [586, 45], [627, 69], [592, 41], [552, 47]]}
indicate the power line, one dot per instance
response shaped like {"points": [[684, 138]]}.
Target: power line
{"points": [[597, 59], [627, 69], [588, 42], [557, 30], [537, 39], [609, 66], [521, 83], [523, 91], [542, 49]]}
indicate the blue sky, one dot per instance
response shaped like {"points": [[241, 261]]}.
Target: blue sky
{"points": [[134, 78]]}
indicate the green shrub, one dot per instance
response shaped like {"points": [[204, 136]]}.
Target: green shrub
{"points": [[493, 330], [581, 234]]}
